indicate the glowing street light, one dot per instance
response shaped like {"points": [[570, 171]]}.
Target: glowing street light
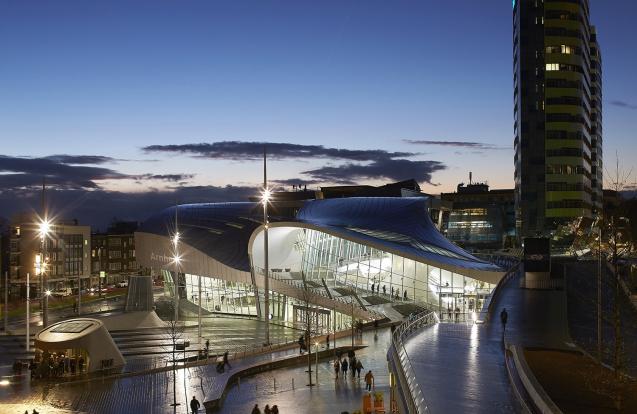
{"points": [[266, 194], [47, 292], [44, 228]]}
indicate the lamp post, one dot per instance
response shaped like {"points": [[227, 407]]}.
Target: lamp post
{"points": [[265, 195], [176, 262], [40, 264], [27, 344], [316, 364]]}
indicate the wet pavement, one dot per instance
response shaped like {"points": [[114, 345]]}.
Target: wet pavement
{"points": [[153, 393]]}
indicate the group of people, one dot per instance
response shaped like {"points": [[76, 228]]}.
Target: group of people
{"points": [[266, 410], [393, 293], [52, 365]]}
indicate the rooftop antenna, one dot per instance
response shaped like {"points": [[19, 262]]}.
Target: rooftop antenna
{"points": [[470, 174]]}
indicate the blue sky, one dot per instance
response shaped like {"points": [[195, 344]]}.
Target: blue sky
{"points": [[111, 78]]}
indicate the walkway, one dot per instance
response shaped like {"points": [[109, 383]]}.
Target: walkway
{"points": [[461, 368], [330, 396], [152, 393]]}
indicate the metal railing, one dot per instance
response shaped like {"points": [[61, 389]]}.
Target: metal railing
{"points": [[415, 400]]}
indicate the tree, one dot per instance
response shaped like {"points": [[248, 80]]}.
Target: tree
{"points": [[174, 332]]}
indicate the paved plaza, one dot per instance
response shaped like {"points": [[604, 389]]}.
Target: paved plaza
{"points": [[153, 393]]}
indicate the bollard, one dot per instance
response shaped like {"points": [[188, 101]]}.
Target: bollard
{"points": [[292, 383], [274, 384]]}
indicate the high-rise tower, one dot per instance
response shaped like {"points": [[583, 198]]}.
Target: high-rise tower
{"points": [[558, 114]]}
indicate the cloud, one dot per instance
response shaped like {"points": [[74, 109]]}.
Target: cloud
{"points": [[99, 207], [166, 177], [238, 150], [623, 104], [66, 172], [80, 159], [391, 169], [456, 144]]}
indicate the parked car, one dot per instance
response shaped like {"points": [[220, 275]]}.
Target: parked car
{"points": [[62, 292], [122, 284]]}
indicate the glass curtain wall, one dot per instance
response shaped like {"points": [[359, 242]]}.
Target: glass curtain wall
{"points": [[218, 295], [369, 271]]}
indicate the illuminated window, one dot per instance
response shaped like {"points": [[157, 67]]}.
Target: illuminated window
{"points": [[567, 49], [552, 66]]}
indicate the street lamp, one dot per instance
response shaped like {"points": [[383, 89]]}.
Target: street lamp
{"points": [[265, 197], [44, 228]]}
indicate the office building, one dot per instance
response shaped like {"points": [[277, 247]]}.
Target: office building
{"points": [[63, 259], [557, 112], [113, 253], [480, 218]]}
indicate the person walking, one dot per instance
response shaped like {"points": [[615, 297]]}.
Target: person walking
{"points": [[352, 366], [369, 380], [194, 405], [301, 344], [225, 360], [327, 341], [337, 367], [275, 409], [256, 409], [344, 367], [359, 368], [373, 286], [384, 290], [504, 316], [266, 409]]}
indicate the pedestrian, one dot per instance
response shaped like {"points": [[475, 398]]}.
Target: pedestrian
{"points": [[405, 295], [267, 410], [373, 288], [344, 368], [327, 341], [359, 367], [256, 409], [337, 367], [504, 316], [392, 290], [275, 409], [375, 327], [369, 380], [194, 405], [80, 364], [301, 344], [225, 360], [384, 290], [352, 366], [75, 306]]}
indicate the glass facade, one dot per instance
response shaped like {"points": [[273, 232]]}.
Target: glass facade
{"points": [[378, 274]]}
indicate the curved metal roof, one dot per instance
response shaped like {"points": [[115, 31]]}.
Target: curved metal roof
{"points": [[223, 230], [397, 223]]}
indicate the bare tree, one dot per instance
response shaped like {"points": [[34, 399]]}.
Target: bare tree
{"points": [[174, 332]]}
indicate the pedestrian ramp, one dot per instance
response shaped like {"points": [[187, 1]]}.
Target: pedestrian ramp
{"points": [[140, 294]]}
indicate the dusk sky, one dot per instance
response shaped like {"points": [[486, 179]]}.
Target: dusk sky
{"points": [[109, 98]]}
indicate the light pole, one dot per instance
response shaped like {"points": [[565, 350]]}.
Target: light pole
{"points": [[176, 262], [44, 230], [265, 195], [6, 301], [27, 344], [316, 364]]}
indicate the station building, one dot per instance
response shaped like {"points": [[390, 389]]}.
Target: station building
{"points": [[332, 260]]}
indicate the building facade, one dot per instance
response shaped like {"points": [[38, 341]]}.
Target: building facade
{"points": [[481, 218], [366, 257], [557, 114], [59, 260], [113, 253]]}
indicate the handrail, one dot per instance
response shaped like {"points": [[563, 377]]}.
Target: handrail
{"points": [[416, 401]]}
